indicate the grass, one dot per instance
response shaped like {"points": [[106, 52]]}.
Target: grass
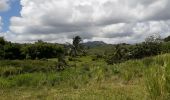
{"points": [[85, 79], [158, 79]]}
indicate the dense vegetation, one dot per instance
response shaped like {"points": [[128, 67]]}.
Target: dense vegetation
{"points": [[77, 72], [146, 79], [112, 53], [38, 50]]}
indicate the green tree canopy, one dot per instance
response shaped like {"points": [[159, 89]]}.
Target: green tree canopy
{"points": [[167, 39]]}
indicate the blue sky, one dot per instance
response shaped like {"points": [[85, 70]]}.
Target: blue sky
{"points": [[14, 10]]}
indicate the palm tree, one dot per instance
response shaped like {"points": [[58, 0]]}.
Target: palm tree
{"points": [[76, 44], [75, 47]]}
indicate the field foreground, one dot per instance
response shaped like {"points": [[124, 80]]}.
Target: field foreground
{"points": [[85, 79]]}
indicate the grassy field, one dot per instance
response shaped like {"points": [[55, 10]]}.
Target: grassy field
{"points": [[85, 79]]}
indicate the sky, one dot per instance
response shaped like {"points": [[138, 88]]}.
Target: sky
{"points": [[111, 21]]}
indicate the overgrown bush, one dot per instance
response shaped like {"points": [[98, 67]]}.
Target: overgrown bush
{"points": [[151, 47], [41, 50], [145, 49], [165, 47], [38, 50], [121, 53]]}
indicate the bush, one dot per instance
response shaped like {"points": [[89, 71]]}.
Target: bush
{"points": [[137, 51], [12, 51], [41, 50], [145, 50], [165, 47], [167, 39], [38, 50], [121, 54]]}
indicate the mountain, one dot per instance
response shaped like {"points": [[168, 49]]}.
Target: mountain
{"points": [[94, 43]]}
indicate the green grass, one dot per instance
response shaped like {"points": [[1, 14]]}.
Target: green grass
{"points": [[85, 79]]}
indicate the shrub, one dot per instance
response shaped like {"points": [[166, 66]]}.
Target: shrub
{"points": [[41, 50]]}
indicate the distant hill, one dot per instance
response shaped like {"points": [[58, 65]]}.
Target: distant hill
{"points": [[94, 43]]}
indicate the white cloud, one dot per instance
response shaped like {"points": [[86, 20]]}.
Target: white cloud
{"points": [[109, 20], [4, 5], [1, 34], [1, 23]]}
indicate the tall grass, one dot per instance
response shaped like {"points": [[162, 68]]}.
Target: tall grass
{"points": [[15, 67], [29, 80], [158, 79], [146, 79]]}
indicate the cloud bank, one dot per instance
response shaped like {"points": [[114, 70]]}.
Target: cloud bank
{"points": [[112, 21], [1, 23], [1, 34]]}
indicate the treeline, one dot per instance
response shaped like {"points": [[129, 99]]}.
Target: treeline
{"points": [[37, 50], [152, 46]]}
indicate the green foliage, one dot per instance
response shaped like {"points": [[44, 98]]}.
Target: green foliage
{"points": [[87, 77], [15, 67], [155, 83], [41, 50], [30, 80], [9, 71], [2, 41], [38, 50], [151, 47], [76, 48], [146, 49], [12, 51], [121, 53], [76, 42], [167, 39], [165, 47], [146, 79], [158, 80]]}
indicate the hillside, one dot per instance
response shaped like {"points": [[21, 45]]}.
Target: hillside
{"points": [[94, 44], [146, 79]]}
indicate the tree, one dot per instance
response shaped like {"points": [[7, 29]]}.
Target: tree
{"points": [[153, 39], [2, 43], [76, 45], [167, 39], [120, 54], [76, 41], [40, 50], [61, 61], [12, 51], [152, 46], [75, 48]]}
